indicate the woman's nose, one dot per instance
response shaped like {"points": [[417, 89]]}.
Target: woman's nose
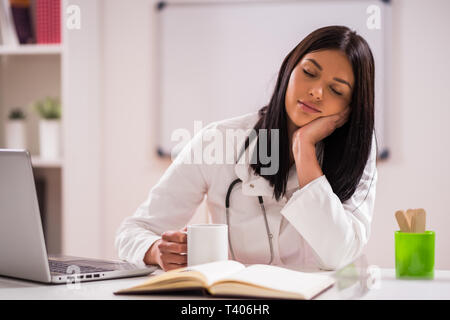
{"points": [[316, 93]]}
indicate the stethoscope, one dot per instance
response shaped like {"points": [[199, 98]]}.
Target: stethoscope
{"points": [[263, 209], [261, 203]]}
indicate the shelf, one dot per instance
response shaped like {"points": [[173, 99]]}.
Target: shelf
{"points": [[38, 162], [31, 49]]}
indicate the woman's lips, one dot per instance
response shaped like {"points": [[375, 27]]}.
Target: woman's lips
{"points": [[306, 108]]}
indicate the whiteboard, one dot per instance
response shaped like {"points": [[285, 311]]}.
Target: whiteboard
{"points": [[218, 60]]}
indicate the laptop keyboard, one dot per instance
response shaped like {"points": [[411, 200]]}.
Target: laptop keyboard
{"points": [[63, 268]]}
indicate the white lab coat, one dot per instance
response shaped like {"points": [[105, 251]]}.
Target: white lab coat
{"points": [[311, 228]]}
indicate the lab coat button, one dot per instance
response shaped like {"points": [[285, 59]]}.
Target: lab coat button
{"points": [[251, 185]]}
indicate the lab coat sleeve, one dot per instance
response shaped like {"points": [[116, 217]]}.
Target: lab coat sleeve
{"points": [[337, 232], [170, 205]]}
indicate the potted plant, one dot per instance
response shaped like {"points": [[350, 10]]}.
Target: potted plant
{"points": [[16, 130], [49, 109]]}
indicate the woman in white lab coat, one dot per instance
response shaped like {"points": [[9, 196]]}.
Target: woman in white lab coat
{"points": [[315, 209]]}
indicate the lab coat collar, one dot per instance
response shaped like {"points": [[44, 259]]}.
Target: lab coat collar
{"points": [[253, 184]]}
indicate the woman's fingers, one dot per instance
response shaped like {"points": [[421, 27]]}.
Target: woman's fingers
{"points": [[168, 257], [172, 247], [170, 261], [174, 236], [343, 117]]}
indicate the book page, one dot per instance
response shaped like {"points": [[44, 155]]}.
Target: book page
{"points": [[282, 279], [195, 276], [215, 271]]}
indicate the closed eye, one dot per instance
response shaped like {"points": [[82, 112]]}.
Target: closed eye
{"points": [[312, 75], [307, 73], [336, 92]]}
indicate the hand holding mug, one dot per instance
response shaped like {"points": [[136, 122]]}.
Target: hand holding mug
{"points": [[170, 252], [193, 245]]}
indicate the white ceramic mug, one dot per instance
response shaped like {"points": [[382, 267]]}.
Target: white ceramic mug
{"points": [[206, 243]]}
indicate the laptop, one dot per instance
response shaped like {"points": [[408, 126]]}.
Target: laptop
{"points": [[23, 252]]}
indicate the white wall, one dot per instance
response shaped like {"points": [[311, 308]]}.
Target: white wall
{"points": [[416, 175], [130, 163]]}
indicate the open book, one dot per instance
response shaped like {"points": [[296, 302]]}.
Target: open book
{"points": [[231, 278]]}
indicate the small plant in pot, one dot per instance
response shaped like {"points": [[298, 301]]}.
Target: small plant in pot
{"points": [[16, 114], [16, 130], [49, 110]]}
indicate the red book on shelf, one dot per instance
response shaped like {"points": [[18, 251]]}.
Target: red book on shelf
{"points": [[48, 21]]}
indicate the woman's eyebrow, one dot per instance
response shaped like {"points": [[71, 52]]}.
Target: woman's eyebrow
{"points": [[315, 62], [342, 81], [320, 68]]}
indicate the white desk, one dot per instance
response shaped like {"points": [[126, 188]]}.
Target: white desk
{"points": [[389, 288]]}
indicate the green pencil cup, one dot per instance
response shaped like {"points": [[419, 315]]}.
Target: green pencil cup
{"points": [[414, 255]]}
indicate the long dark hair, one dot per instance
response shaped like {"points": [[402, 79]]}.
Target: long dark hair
{"points": [[347, 149]]}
